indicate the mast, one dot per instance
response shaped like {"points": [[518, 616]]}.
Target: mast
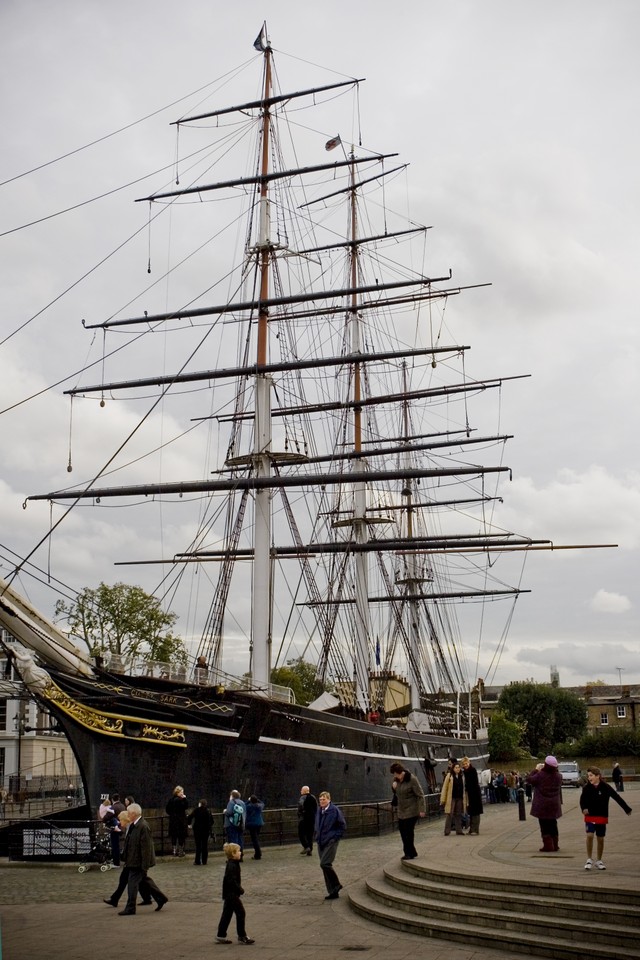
{"points": [[411, 563], [261, 607], [362, 619]]}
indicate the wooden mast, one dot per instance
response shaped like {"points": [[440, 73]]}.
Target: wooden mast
{"points": [[362, 631], [261, 607]]}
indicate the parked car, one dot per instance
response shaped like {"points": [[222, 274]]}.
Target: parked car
{"points": [[570, 774]]}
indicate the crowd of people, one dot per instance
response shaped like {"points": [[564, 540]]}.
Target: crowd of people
{"points": [[318, 820], [464, 790]]}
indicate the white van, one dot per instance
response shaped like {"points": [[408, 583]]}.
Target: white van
{"points": [[570, 774]]}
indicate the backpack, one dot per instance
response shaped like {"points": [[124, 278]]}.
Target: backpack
{"points": [[237, 814]]}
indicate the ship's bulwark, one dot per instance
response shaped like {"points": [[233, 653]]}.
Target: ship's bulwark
{"points": [[224, 740]]}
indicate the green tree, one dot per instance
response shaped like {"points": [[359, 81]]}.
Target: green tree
{"points": [[570, 716], [301, 677], [504, 737], [548, 714], [612, 742], [124, 620]]}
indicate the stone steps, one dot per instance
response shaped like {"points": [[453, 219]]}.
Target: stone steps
{"points": [[557, 902], [562, 921]]}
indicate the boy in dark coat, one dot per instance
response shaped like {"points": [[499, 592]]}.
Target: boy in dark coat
{"points": [[231, 893]]}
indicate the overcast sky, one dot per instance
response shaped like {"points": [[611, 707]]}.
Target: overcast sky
{"points": [[519, 120]]}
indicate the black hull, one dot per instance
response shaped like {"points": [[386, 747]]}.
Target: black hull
{"points": [[142, 740]]}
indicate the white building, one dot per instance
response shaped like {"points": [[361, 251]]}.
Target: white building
{"points": [[35, 757]]}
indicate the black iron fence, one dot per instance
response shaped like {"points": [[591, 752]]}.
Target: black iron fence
{"points": [[53, 839], [22, 789]]}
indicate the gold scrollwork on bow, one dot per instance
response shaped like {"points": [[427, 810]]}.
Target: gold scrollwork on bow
{"points": [[111, 725]]}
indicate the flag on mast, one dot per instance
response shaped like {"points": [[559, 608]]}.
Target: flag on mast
{"points": [[333, 143], [260, 41]]}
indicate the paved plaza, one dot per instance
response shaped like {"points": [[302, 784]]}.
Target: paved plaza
{"points": [[55, 913]]}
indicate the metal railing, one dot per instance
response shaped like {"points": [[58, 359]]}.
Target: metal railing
{"points": [[58, 840]]}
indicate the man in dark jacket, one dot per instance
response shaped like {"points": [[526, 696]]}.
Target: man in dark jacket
{"points": [[307, 808], [139, 855], [616, 776], [474, 795], [410, 805], [202, 822], [330, 827]]}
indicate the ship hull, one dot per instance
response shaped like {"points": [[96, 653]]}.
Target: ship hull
{"points": [[143, 740]]}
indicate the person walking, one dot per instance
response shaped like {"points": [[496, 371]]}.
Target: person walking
{"points": [[410, 805], [546, 805], [201, 821], [113, 900], [177, 810], [307, 809], [231, 896], [594, 803], [115, 828], [111, 824], [453, 799], [616, 776], [139, 856], [254, 823], [235, 818], [330, 828], [473, 790]]}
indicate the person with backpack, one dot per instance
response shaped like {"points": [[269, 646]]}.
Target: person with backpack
{"points": [[235, 818]]}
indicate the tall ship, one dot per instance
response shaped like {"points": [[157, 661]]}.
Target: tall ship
{"points": [[342, 516]]}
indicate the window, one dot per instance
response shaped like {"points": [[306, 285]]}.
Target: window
{"points": [[604, 719], [622, 711], [3, 714]]}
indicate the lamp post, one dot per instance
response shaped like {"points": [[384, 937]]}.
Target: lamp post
{"points": [[19, 721]]}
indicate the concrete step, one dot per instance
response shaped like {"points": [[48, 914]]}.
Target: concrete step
{"points": [[526, 899], [501, 886], [503, 917], [455, 927]]}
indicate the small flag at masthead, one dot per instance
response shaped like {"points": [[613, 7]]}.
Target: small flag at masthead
{"points": [[260, 41]]}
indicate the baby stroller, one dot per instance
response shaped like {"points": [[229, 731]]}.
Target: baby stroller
{"points": [[99, 855]]}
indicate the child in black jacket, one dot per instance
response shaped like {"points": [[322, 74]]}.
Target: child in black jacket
{"points": [[231, 894], [594, 803]]}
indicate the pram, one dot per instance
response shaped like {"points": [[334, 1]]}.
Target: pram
{"points": [[99, 855]]}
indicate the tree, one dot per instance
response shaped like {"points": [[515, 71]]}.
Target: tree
{"points": [[611, 742], [124, 620], [504, 737], [548, 714], [301, 677]]}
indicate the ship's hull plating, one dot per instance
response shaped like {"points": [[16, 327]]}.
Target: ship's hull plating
{"points": [[141, 740]]}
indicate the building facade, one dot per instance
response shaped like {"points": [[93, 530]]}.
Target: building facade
{"points": [[35, 756]]}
